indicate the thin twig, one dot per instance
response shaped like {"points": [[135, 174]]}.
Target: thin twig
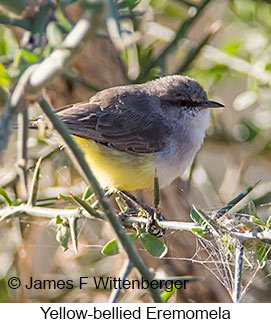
{"points": [[239, 251], [32, 199], [87, 206], [232, 204], [22, 23], [74, 232], [22, 135], [156, 192], [125, 271]]}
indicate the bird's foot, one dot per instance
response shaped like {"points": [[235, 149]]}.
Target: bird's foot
{"points": [[152, 226], [153, 214]]}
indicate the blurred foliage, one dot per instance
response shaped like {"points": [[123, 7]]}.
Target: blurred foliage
{"points": [[227, 50]]}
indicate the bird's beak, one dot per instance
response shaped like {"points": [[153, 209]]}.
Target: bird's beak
{"points": [[212, 104]]}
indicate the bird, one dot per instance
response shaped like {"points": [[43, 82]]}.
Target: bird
{"points": [[132, 133]]}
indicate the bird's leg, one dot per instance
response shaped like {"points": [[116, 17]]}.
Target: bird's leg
{"points": [[130, 197], [156, 201], [151, 226], [156, 196]]}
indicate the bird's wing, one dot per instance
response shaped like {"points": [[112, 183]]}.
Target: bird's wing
{"points": [[119, 122]]}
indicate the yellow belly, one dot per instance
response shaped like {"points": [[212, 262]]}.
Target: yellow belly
{"points": [[118, 170]]}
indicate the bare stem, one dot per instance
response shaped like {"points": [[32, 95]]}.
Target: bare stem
{"points": [[125, 271], [23, 23], [22, 148], [239, 251], [32, 199]]}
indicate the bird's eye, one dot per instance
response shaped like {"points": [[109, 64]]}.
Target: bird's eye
{"points": [[188, 103]]}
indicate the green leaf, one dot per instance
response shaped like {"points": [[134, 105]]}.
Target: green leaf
{"points": [[62, 20], [87, 193], [8, 43], [121, 206], [252, 130], [261, 252], [16, 202], [62, 232], [59, 220], [28, 57], [248, 245], [5, 196], [257, 220], [232, 47], [199, 232], [131, 4], [4, 76], [167, 294], [112, 247], [252, 208], [155, 246], [4, 95], [268, 222], [65, 197], [54, 34], [196, 217], [226, 239]]}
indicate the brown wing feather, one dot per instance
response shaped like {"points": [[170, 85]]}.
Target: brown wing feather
{"points": [[125, 122]]}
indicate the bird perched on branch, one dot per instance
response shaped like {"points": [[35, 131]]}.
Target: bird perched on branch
{"points": [[130, 133]]}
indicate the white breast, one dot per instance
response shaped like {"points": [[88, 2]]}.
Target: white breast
{"points": [[184, 144]]}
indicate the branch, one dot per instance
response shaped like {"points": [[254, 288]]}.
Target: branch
{"points": [[44, 212], [125, 271], [51, 213], [22, 23], [22, 136], [128, 220], [239, 252]]}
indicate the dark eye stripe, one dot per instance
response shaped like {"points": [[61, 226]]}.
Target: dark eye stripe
{"points": [[182, 103], [188, 104]]}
